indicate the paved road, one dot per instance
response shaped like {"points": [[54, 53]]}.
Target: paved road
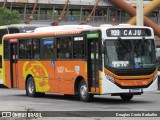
{"points": [[16, 100]]}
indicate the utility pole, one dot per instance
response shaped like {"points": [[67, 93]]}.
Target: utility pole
{"points": [[140, 16]]}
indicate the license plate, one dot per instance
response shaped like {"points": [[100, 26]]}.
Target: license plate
{"points": [[136, 90]]}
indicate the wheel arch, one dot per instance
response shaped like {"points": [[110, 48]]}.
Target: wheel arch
{"points": [[77, 82]]}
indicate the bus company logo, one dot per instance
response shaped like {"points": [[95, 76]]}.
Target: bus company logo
{"points": [[38, 71], [68, 71], [60, 69], [66, 32]]}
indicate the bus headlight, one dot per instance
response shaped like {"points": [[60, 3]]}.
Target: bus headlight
{"points": [[155, 77], [110, 78]]}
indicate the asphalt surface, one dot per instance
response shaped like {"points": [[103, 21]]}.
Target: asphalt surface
{"points": [[16, 100]]}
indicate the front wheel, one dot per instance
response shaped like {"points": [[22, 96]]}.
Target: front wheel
{"points": [[159, 83], [83, 92], [126, 97], [30, 87]]}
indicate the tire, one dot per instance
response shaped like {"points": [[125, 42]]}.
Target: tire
{"points": [[83, 92], [30, 87], [126, 97], [159, 83]]}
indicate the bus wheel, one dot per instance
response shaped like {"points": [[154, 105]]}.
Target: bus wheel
{"points": [[126, 97], [159, 83], [30, 88], [83, 92]]}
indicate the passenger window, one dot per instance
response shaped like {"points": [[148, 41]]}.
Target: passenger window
{"points": [[64, 48], [2, 33], [25, 48], [6, 49], [13, 30], [48, 48], [78, 50], [36, 48]]}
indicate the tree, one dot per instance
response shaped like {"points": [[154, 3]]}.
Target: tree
{"points": [[8, 17]]}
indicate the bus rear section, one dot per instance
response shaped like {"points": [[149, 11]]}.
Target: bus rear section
{"points": [[1, 69], [129, 61], [3, 31]]}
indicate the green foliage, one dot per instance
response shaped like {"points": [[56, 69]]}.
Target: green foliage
{"points": [[8, 17]]}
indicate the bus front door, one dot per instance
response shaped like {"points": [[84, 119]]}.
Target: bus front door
{"points": [[93, 64], [13, 65]]}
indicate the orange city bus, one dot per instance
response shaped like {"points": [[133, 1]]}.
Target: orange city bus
{"points": [[116, 60]]}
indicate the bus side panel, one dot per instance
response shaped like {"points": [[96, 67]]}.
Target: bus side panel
{"points": [[1, 69], [37, 71], [1, 76], [49, 83], [7, 76], [21, 75], [1, 66], [66, 72]]}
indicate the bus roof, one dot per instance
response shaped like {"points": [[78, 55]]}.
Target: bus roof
{"points": [[122, 26], [3, 27], [128, 26], [25, 28], [43, 34], [60, 28], [22, 28]]}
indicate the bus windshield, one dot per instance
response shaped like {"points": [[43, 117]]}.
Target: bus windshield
{"points": [[129, 54]]}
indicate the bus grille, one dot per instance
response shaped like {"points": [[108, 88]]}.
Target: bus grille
{"points": [[132, 72]]}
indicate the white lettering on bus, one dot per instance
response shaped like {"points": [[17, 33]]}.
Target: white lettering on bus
{"points": [[120, 63], [125, 32], [132, 32], [60, 69]]}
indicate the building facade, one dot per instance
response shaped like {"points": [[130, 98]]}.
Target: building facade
{"points": [[77, 11]]}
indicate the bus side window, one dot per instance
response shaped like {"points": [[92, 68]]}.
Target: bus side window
{"points": [[13, 30], [78, 50], [64, 48], [6, 49], [48, 48], [36, 48], [59, 52], [2, 33], [25, 47]]}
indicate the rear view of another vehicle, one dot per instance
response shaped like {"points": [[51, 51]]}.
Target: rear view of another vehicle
{"points": [[3, 31]]}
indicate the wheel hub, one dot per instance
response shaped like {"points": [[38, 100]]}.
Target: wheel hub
{"points": [[31, 87], [83, 91]]}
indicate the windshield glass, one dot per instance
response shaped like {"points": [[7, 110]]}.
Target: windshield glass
{"points": [[130, 53]]}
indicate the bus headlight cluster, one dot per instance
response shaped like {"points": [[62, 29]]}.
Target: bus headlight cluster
{"points": [[110, 78], [155, 77]]}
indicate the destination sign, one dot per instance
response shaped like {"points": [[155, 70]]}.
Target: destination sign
{"points": [[13, 40], [128, 32]]}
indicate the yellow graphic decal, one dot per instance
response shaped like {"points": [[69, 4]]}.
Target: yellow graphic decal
{"points": [[39, 72]]}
